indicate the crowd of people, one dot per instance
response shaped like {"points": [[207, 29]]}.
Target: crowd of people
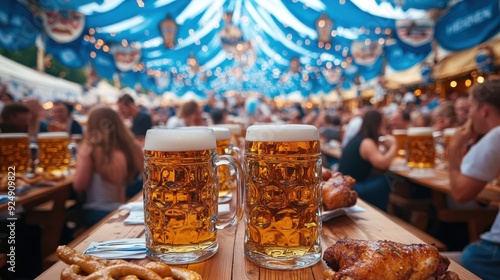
{"points": [[110, 160]]}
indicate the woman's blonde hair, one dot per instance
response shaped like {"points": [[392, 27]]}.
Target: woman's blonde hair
{"points": [[106, 130]]}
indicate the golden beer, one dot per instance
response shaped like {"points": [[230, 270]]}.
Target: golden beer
{"points": [[447, 135], [283, 200], [181, 193], [235, 131], [400, 135], [420, 150], [14, 152], [53, 152]]}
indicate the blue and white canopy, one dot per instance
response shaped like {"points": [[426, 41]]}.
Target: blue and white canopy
{"points": [[270, 46]]}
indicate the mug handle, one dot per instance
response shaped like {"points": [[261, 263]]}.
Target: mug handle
{"points": [[234, 151], [240, 180]]}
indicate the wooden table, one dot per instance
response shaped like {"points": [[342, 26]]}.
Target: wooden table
{"points": [[439, 181], [229, 262], [51, 217], [477, 218]]}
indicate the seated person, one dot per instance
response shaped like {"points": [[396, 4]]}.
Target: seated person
{"points": [[332, 130], [62, 119], [15, 118], [107, 161], [362, 159], [480, 165], [444, 117]]}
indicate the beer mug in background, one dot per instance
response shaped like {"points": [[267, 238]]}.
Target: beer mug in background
{"points": [[420, 150], [226, 183], [400, 135], [181, 192], [283, 199], [447, 135], [235, 131], [14, 152], [53, 152]]}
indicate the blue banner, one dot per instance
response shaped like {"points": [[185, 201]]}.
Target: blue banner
{"points": [[18, 27], [468, 23]]}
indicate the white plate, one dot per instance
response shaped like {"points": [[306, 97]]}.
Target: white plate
{"points": [[327, 215]]}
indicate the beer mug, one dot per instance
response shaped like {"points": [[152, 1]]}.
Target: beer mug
{"points": [[14, 152], [235, 131], [181, 187], [283, 199], [53, 152], [447, 135], [400, 135], [420, 150]]}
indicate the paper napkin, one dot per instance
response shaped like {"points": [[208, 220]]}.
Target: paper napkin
{"points": [[132, 248]]}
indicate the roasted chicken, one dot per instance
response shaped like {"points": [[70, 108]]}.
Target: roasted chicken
{"points": [[351, 259], [338, 193]]}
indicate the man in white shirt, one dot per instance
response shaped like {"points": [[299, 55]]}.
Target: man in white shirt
{"points": [[480, 165]]}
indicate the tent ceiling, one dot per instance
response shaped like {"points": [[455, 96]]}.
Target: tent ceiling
{"points": [[270, 46]]}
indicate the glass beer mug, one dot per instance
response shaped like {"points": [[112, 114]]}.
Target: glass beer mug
{"points": [[14, 152], [53, 152], [181, 189], [420, 149], [283, 199], [447, 135], [400, 135]]}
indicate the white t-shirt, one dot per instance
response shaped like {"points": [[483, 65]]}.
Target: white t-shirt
{"points": [[351, 130], [175, 122], [482, 162]]}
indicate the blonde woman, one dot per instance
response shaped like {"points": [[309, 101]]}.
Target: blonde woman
{"points": [[108, 159]]}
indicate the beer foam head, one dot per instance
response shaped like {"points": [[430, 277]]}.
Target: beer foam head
{"points": [[45, 135], [177, 140], [234, 128], [14, 135], [449, 131], [419, 131], [221, 133], [282, 133], [398, 131]]}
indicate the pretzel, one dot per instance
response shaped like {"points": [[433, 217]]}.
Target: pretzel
{"points": [[86, 267]]}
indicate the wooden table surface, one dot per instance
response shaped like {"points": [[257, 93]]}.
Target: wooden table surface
{"points": [[37, 195], [229, 262], [438, 180], [50, 216]]}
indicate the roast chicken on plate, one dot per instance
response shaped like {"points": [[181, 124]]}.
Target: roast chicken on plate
{"points": [[351, 259], [337, 191]]}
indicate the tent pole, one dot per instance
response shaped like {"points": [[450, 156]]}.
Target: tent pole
{"points": [[40, 56]]}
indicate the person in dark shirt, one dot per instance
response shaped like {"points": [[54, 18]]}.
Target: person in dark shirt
{"points": [[62, 119], [141, 121], [363, 160]]}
